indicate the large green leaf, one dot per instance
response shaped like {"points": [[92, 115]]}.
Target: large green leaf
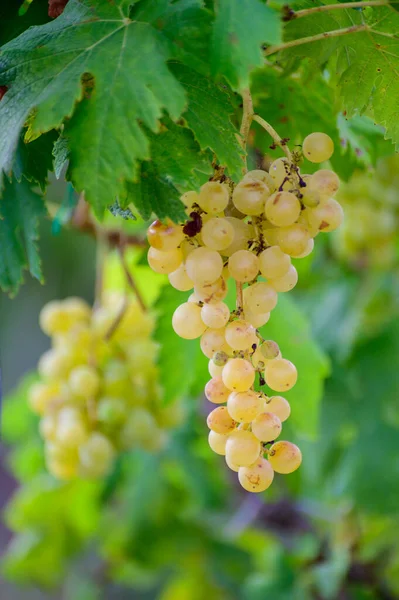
{"points": [[89, 56], [240, 29], [208, 115], [177, 357], [290, 329], [21, 210]]}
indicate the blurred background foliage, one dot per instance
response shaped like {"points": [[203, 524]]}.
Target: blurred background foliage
{"points": [[175, 525]]}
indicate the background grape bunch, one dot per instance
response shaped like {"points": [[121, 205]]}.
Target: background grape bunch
{"points": [[98, 393], [249, 233]]}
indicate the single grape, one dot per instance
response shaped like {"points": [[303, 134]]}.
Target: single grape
{"points": [[230, 463], [187, 322], [52, 318], [282, 209], [242, 448], [204, 266], [76, 309], [308, 250], [266, 427], [213, 340], [325, 182], [215, 315], [244, 407], [189, 199], [220, 358], [164, 262], [214, 370], [286, 282], [259, 175], [213, 197], [285, 457], [270, 349], [243, 266], [260, 298], [72, 430], [180, 280], [250, 195], [96, 455], [217, 234], [216, 391], [42, 395], [243, 234], [293, 240], [240, 335], [280, 374], [310, 197], [220, 421], [238, 375], [279, 171], [211, 293], [48, 427], [279, 407], [84, 381], [55, 364], [257, 320], [217, 442], [164, 236], [318, 147], [328, 216], [257, 477], [111, 411], [270, 234], [273, 262]]}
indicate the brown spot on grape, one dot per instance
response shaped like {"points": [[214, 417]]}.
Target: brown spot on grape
{"points": [[276, 199], [323, 225]]}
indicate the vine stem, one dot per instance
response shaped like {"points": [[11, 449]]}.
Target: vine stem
{"points": [[247, 116], [315, 38], [130, 280], [324, 7], [273, 133]]}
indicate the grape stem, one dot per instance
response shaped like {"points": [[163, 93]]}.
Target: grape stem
{"points": [[130, 280], [247, 116], [118, 319], [315, 38], [239, 299], [324, 7], [274, 135]]}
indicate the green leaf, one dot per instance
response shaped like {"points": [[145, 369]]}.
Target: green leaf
{"points": [[176, 356], [290, 329], [89, 56], [18, 421], [21, 210], [208, 115], [155, 194], [240, 29], [34, 160], [185, 24], [60, 154]]}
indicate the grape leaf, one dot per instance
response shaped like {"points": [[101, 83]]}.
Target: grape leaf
{"points": [[177, 356], [34, 160], [185, 24], [208, 115], [89, 56], [240, 29], [60, 154], [21, 209], [290, 329]]}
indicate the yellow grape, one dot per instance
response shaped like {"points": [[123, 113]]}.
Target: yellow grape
{"points": [[286, 282], [308, 250], [279, 407], [84, 381], [266, 427], [245, 406], [318, 147], [256, 477], [217, 442], [211, 293], [217, 234], [164, 262], [273, 262], [242, 448], [293, 240], [215, 315], [270, 349], [204, 266], [220, 421], [189, 199], [230, 463], [238, 375], [325, 182], [240, 335], [260, 298], [71, 428], [213, 197], [216, 391], [328, 216], [180, 280], [281, 374], [279, 170], [259, 175], [187, 322], [243, 234], [96, 455], [257, 320], [42, 395], [213, 340], [250, 195], [243, 266], [285, 457], [282, 209], [214, 370], [52, 318], [48, 427], [164, 236], [55, 364], [111, 411]]}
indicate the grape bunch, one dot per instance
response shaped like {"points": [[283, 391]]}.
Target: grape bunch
{"points": [[98, 393], [249, 232]]}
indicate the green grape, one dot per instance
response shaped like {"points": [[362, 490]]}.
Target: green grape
{"points": [[96, 456], [256, 477], [84, 381], [285, 457], [318, 147], [111, 411]]}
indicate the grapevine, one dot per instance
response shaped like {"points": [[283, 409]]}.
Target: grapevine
{"points": [[247, 232]]}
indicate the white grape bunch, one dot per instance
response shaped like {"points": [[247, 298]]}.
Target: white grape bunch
{"points": [[250, 233], [98, 392]]}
